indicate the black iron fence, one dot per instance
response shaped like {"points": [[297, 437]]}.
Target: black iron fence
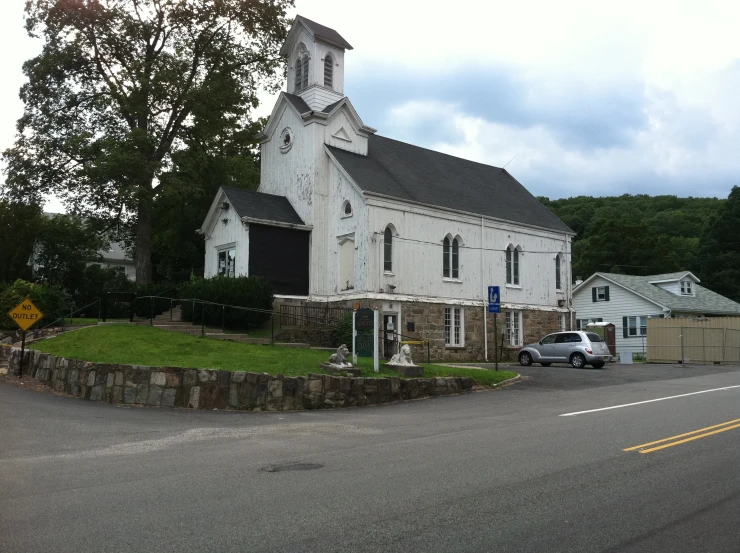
{"points": [[301, 315]]}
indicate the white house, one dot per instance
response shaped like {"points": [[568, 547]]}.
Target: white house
{"points": [[345, 217], [628, 301]]}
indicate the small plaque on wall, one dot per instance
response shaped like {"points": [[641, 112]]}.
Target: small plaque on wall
{"points": [[411, 327]]}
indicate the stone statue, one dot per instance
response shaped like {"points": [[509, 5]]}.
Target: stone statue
{"points": [[339, 363], [402, 363], [403, 357], [341, 358]]}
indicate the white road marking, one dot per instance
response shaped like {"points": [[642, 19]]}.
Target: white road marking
{"points": [[646, 401]]}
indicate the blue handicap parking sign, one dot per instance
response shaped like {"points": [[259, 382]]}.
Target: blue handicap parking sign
{"points": [[494, 299]]}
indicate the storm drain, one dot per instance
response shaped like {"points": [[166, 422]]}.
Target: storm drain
{"points": [[292, 467]]}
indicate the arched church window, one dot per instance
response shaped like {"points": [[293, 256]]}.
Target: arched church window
{"points": [[328, 70], [388, 250], [301, 70]]}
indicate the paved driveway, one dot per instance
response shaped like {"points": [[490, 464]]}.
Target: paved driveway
{"points": [[565, 377]]}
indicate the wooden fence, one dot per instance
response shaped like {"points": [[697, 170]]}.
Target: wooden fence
{"points": [[688, 340]]}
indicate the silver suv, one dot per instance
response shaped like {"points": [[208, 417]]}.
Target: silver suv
{"points": [[577, 348]]}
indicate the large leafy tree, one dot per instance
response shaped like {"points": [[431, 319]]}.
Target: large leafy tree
{"points": [[20, 226], [64, 247], [638, 234], [119, 88], [719, 264]]}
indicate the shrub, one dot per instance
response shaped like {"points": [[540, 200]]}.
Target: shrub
{"points": [[254, 292], [343, 331], [52, 301]]}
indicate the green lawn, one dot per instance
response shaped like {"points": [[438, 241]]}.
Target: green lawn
{"points": [[142, 345]]}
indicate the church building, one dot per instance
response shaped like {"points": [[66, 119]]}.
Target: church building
{"points": [[345, 217]]}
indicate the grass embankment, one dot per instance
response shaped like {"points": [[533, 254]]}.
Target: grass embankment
{"points": [[142, 345]]}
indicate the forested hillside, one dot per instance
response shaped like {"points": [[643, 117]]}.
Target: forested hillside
{"points": [[656, 234]]}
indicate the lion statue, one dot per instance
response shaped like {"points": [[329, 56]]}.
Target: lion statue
{"points": [[403, 357], [341, 357]]}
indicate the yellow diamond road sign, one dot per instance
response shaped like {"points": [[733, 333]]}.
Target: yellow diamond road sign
{"points": [[26, 314]]}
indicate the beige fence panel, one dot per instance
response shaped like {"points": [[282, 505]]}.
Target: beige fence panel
{"points": [[705, 340]]}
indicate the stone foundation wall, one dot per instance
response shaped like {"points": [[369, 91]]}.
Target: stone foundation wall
{"points": [[428, 321], [210, 389]]}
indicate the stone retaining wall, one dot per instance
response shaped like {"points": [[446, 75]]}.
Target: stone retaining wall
{"points": [[210, 389]]}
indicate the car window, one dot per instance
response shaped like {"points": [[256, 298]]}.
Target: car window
{"points": [[561, 338], [593, 337], [550, 339], [572, 337]]}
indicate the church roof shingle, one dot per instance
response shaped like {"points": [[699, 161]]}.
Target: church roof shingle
{"points": [[325, 34], [258, 205], [407, 172]]}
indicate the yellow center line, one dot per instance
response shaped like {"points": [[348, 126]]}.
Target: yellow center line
{"points": [[690, 439], [683, 435]]}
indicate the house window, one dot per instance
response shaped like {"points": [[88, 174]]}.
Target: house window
{"points": [[581, 324], [512, 265], [514, 328], [636, 326], [686, 288], [227, 263], [455, 258], [328, 70], [388, 250], [600, 293], [347, 209], [454, 326], [557, 273], [451, 258], [301, 70]]}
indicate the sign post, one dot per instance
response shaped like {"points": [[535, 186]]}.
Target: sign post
{"points": [[25, 315], [376, 361], [494, 306]]}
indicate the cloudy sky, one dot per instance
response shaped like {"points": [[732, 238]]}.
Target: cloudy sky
{"points": [[587, 97]]}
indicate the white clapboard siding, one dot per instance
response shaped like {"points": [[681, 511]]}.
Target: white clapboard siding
{"points": [[418, 256], [622, 303], [220, 235]]}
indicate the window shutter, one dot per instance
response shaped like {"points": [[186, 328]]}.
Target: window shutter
{"points": [[593, 295], [606, 293], [624, 327]]}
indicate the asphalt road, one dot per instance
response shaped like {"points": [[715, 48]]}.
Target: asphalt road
{"points": [[487, 472]]}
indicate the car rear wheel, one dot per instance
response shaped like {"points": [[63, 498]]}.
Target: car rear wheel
{"points": [[598, 365], [525, 359], [577, 360], [545, 364]]}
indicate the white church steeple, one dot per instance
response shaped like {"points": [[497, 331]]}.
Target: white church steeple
{"points": [[315, 57]]}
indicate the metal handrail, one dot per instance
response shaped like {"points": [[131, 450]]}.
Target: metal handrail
{"points": [[70, 315]]}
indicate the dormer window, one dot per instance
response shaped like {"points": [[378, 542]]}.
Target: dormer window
{"points": [[328, 71], [301, 70], [687, 288]]}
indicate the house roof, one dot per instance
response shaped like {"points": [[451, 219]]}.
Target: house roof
{"points": [[408, 172], [325, 34], [330, 107], [297, 102], [258, 205], [704, 302]]}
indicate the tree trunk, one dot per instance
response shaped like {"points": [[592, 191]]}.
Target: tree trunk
{"points": [[142, 256]]}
